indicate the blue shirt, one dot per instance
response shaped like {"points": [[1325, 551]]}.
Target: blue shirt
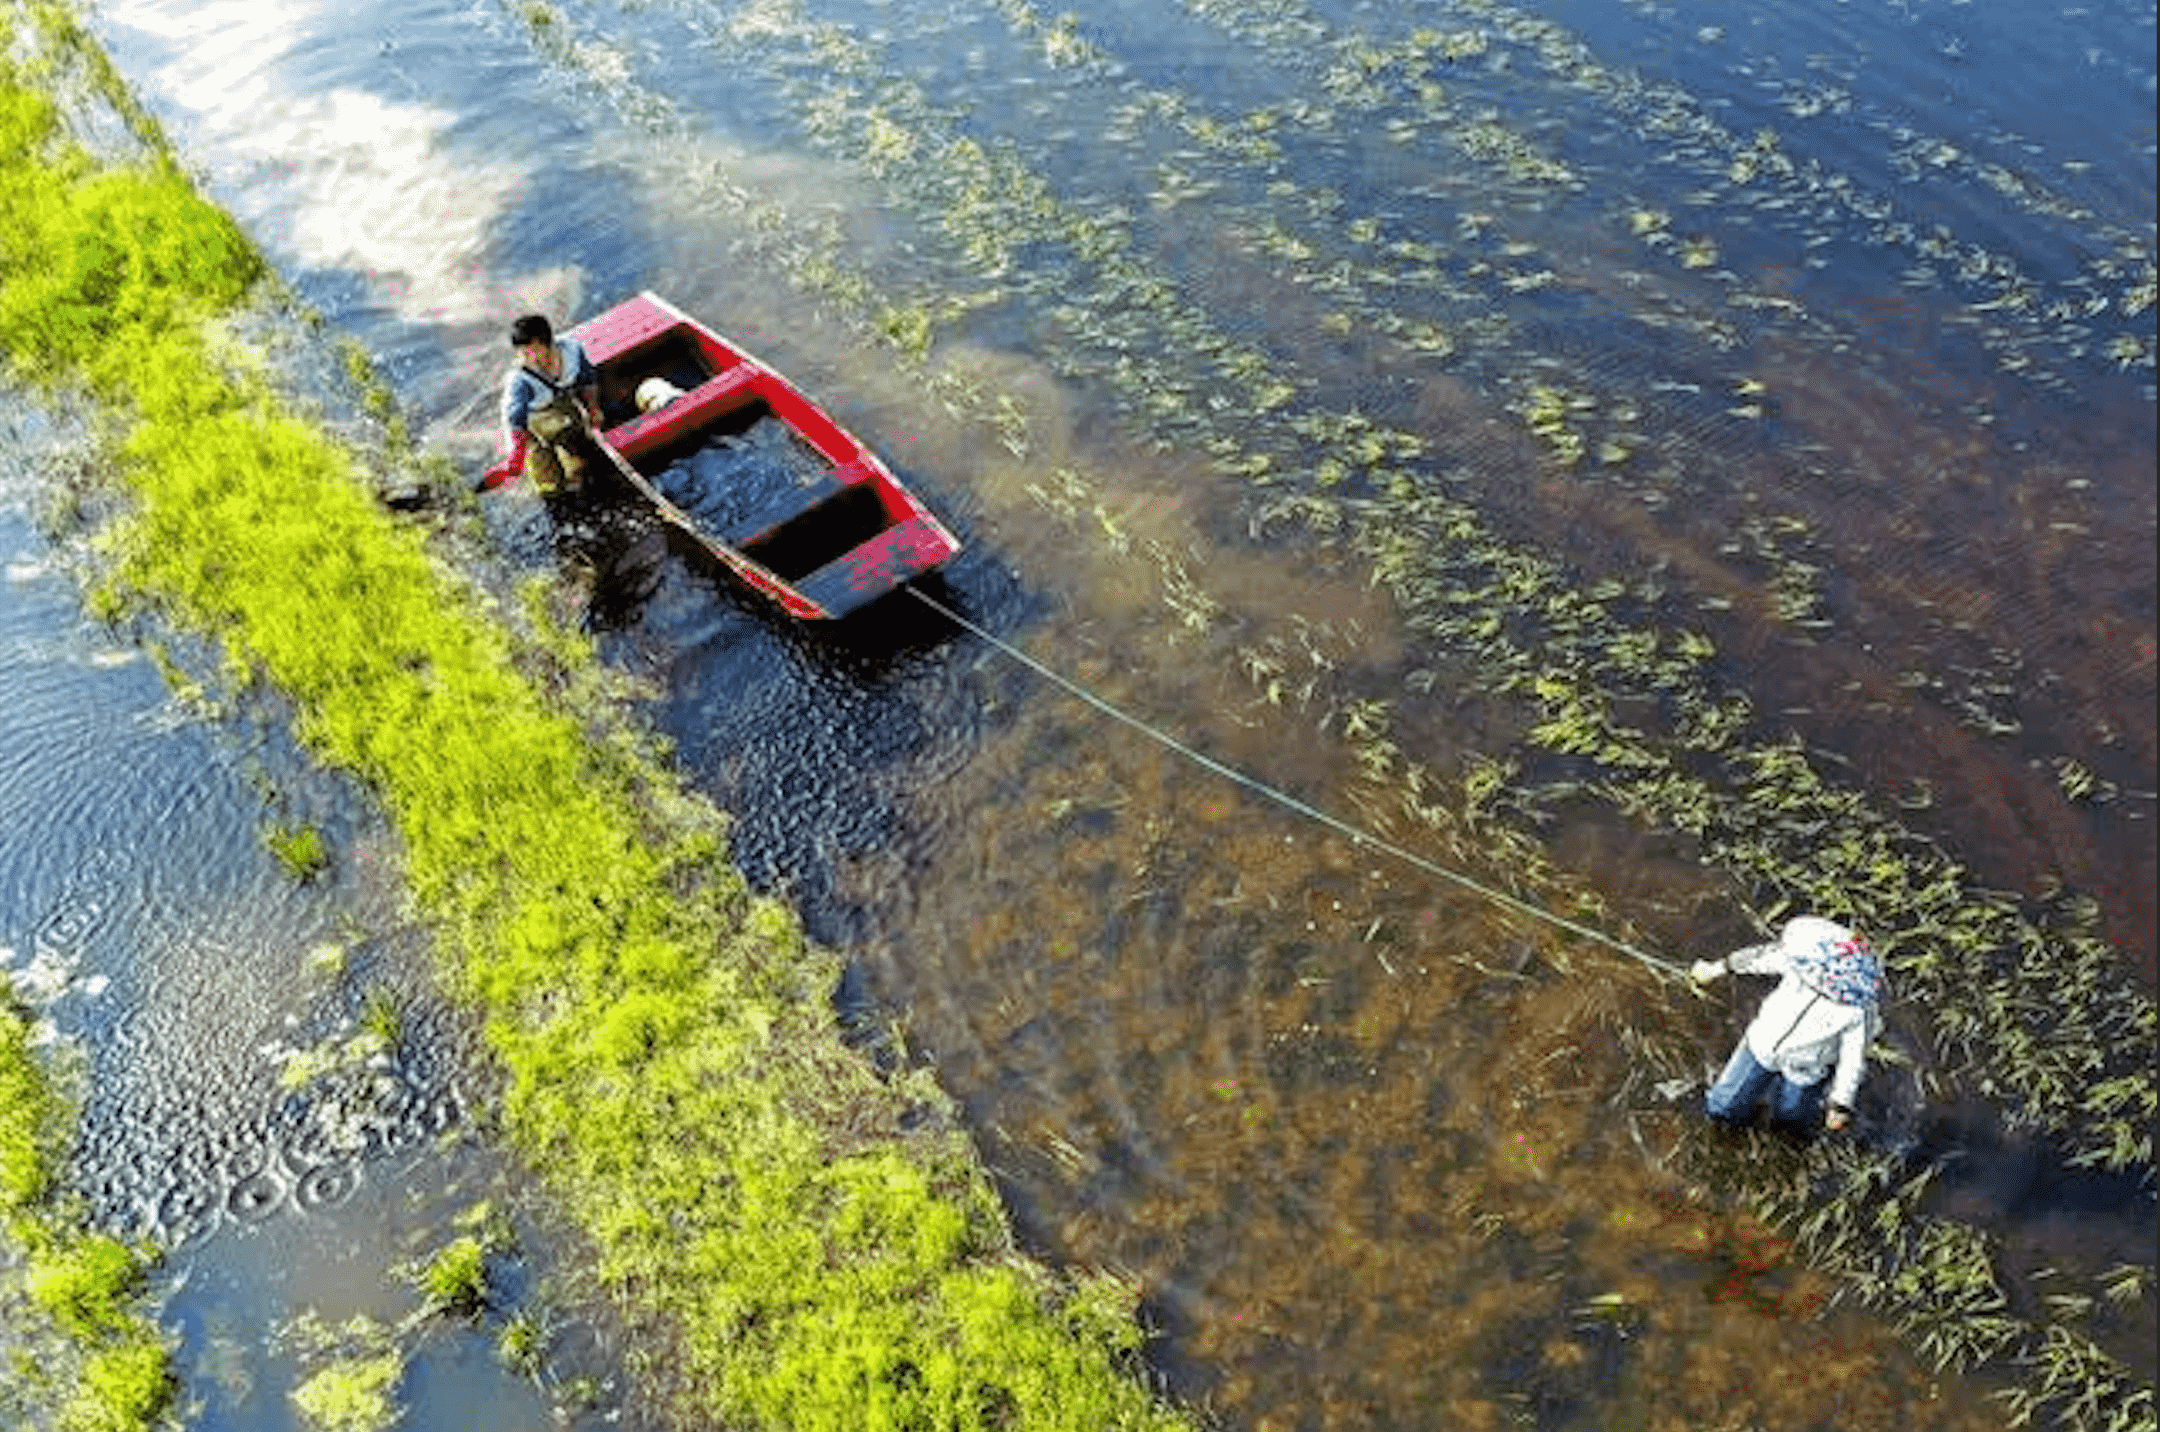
{"points": [[527, 388]]}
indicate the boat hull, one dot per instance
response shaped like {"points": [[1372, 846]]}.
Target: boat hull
{"points": [[842, 533]]}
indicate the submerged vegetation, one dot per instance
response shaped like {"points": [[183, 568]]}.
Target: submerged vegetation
{"points": [[357, 1395], [812, 1244], [355, 1371], [2076, 1063], [1623, 700]]}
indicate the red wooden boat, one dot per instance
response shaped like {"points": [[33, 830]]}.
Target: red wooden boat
{"points": [[754, 471]]}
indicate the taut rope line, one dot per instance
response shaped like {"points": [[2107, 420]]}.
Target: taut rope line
{"points": [[1283, 798]]}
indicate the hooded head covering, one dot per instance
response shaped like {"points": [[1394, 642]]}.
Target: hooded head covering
{"points": [[1833, 961]]}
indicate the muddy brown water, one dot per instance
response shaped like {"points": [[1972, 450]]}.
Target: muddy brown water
{"points": [[1381, 1156]]}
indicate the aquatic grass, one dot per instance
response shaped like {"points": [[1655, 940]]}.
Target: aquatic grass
{"points": [[100, 1364], [356, 1394], [1617, 652], [88, 1286], [31, 1129], [1751, 175], [1794, 593], [521, 1346], [123, 1387], [1754, 172], [2075, 1384], [987, 201], [455, 1280], [1780, 807], [636, 1037], [93, 255], [299, 848], [383, 1018], [1519, 612], [1858, 1213], [1515, 618]]}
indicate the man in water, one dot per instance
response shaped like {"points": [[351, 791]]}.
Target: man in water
{"points": [[1813, 1029], [551, 399]]}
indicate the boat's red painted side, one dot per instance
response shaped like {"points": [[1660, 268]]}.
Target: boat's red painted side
{"points": [[913, 541], [906, 549]]}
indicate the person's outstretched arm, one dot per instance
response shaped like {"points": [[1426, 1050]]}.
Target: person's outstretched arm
{"points": [[1845, 1080], [1766, 959]]}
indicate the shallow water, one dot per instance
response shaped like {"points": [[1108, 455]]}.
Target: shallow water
{"points": [[1824, 331], [150, 926]]}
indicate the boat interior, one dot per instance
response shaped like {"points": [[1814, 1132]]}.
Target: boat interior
{"points": [[676, 356], [842, 532], [823, 533]]}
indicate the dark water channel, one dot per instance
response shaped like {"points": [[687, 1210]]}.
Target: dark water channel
{"points": [[1826, 331]]}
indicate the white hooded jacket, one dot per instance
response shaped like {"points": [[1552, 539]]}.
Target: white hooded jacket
{"points": [[1800, 1031]]}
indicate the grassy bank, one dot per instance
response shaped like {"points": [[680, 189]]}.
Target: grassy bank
{"points": [[805, 1243]]}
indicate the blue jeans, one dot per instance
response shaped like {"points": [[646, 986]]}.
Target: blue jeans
{"points": [[1732, 1099]]}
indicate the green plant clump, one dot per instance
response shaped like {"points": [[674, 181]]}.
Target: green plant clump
{"points": [[455, 1280], [807, 1249], [354, 1395], [299, 849], [108, 1369]]}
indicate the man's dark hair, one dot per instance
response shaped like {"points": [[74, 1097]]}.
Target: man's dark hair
{"points": [[532, 328]]}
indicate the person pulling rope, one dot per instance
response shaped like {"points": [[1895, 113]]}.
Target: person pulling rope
{"points": [[1809, 1037], [1826, 1008]]}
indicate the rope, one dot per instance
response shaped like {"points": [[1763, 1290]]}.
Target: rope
{"points": [[1355, 834]]}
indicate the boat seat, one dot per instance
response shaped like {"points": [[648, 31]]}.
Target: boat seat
{"points": [[903, 550], [780, 508], [792, 503], [618, 331], [692, 410]]}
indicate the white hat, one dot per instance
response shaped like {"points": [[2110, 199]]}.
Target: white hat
{"points": [[1833, 960]]}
